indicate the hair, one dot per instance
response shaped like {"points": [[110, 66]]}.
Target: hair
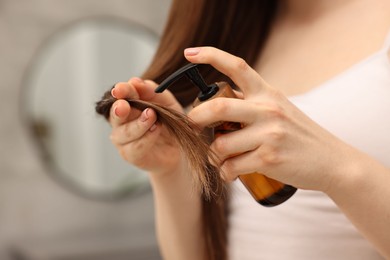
{"points": [[190, 139], [238, 27]]}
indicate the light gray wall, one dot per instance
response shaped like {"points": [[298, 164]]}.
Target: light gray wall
{"points": [[38, 216]]}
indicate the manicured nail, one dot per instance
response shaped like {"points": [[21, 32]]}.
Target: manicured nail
{"points": [[113, 92], [144, 116], [153, 127], [116, 111], [191, 51]]}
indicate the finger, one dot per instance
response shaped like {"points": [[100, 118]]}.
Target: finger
{"points": [[247, 79], [145, 88], [238, 94], [239, 165], [135, 152], [133, 130], [224, 109], [124, 90], [119, 112], [234, 143], [146, 91]]}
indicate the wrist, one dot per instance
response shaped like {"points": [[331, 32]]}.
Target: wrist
{"points": [[178, 179], [350, 174]]}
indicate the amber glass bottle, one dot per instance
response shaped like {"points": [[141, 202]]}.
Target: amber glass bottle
{"points": [[266, 191]]}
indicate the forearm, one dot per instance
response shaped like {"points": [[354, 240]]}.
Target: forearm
{"points": [[178, 216], [362, 192]]}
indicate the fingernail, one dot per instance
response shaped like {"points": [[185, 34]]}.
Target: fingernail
{"points": [[113, 92], [116, 113], [153, 127], [144, 115], [191, 51]]}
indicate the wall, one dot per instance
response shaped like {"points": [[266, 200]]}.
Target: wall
{"points": [[38, 217]]}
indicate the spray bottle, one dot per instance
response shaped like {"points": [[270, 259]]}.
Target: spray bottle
{"points": [[266, 191]]}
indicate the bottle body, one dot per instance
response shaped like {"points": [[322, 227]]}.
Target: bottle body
{"points": [[265, 191]]}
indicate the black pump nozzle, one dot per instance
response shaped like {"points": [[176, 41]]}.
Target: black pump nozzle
{"points": [[191, 71]]}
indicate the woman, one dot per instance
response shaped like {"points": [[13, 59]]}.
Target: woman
{"points": [[316, 118]]}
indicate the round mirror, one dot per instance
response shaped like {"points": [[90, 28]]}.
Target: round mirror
{"points": [[67, 76]]}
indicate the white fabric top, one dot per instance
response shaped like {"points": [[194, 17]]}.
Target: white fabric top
{"points": [[355, 106]]}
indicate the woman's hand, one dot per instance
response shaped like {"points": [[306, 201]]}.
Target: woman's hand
{"points": [[277, 139], [138, 136]]}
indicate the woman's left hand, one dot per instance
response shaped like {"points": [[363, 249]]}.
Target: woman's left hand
{"points": [[277, 139]]}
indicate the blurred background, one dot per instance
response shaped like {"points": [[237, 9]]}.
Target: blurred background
{"points": [[64, 191]]}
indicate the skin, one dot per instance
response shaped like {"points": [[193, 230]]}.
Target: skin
{"points": [[284, 143], [144, 143], [277, 132]]}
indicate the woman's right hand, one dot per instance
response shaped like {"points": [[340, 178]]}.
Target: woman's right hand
{"points": [[137, 135]]}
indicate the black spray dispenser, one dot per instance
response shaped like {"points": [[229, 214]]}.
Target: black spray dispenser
{"points": [[266, 191]]}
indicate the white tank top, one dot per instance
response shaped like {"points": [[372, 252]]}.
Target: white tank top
{"points": [[355, 106]]}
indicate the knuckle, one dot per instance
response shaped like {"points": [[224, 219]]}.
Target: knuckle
{"points": [[278, 133], [270, 157], [219, 145], [227, 177], [270, 110], [238, 66], [275, 111], [219, 106], [135, 128], [229, 170], [241, 64]]}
